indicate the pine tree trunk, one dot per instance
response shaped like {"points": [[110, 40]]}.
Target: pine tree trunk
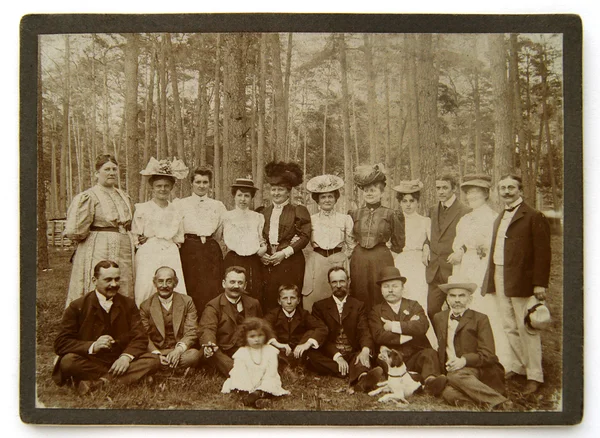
{"points": [[216, 130], [64, 159], [131, 52], [105, 112], [501, 104], [324, 154], [348, 176], [286, 89], [279, 110], [477, 124], [176, 100], [42, 224], [148, 122], [93, 151], [162, 123], [260, 153], [388, 145], [371, 99], [412, 106]]}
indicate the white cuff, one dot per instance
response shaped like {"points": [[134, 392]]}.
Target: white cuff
{"points": [[288, 251], [181, 344], [271, 341], [128, 355], [91, 349], [396, 328], [336, 355], [313, 342], [156, 352]]}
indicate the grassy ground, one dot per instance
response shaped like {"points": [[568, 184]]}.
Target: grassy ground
{"points": [[201, 388]]}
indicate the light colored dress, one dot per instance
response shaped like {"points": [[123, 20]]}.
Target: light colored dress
{"points": [[329, 231], [98, 219], [164, 229], [474, 232], [251, 375]]}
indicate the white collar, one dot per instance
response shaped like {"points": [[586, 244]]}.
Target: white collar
{"points": [[338, 302], [283, 204], [450, 201], [234, 302], [327, 213], [395, 307], [514, 204], [201, 198], [104, 303], [166, 302], [289, 315]]}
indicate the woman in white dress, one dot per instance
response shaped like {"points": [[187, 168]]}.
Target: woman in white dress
{"points": [[471, 252], [158, 228], [331, 239]]}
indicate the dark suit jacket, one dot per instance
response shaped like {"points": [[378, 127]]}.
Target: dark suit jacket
{"points": [[474, 341], [442, 237], [294, 221], [354, 322], [413, 322], [526, 254], [302, 327], [83, 323], [218, 321], [185, 320]]}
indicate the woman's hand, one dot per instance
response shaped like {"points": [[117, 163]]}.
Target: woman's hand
{"points": [[455, 258], [277, 258], [265, 259], [425, 257], [262, 251]]}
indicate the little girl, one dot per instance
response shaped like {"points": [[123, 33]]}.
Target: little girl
{"points": [[255, 364]]}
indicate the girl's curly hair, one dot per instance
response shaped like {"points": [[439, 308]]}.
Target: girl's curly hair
{"points": [[253, 323]]}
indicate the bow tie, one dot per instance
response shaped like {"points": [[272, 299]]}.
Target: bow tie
{"points": [[513, 208], [455, 317]]}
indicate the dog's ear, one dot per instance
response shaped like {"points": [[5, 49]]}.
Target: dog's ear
{"points": [[396, 358]]}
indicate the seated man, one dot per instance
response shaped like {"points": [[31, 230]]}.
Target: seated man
{"points": [[347, 349], [401, 324], [102, 337], [467, 350], [170, 320], [221, 317], [296, 330]]}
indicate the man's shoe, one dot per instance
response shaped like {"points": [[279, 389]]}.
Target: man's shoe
{"points": [[436, 385], [504, 406], [530, 387]]}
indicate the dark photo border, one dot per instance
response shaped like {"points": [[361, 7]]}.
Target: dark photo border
{"points": [[572, 343]]}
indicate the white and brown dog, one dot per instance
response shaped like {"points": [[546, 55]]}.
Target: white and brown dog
{"points": [[400, 384]]}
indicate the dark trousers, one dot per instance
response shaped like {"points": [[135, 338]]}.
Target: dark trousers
{"points": [[435, 296], [221, 360], [89, 368], [424, 362], [322, 364], [464, 386]]}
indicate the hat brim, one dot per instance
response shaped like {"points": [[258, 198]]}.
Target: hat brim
{"points": [[476, 183], [471, 287], [395, 277], [241, 186]]}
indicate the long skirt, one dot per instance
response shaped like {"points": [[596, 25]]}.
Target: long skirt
{"points": [[202, 265], [316, 284], [365, 265], [101, 245], [289, 271], [254, 271], [150, 256]]}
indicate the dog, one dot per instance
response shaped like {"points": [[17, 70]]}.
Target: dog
{"points": [[400, 383]]}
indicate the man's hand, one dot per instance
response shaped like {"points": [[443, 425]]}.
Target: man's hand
{"points": [[343, 366], [104, 342], [426, 256], [277, 258], [539, 292], [265, 259], [456, 363], [120, 366], [387, 324], [174, 356], [284, 347], [455, 258], [301, 349], [209, 349], [363, 357]]}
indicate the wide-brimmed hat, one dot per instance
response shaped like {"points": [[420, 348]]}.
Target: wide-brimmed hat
{"points": [[244, 183], [324, 184], [458, 282], [279, 173], [537, 315], [408, 187], [369, 174], [175, 169], [477, 180], [390, 273]]}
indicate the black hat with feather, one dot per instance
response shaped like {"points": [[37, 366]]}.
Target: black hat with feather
{"points": [[283, 174]]}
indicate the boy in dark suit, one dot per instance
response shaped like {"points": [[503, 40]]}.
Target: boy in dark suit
{"points": [[296, 330], [466, 350]]}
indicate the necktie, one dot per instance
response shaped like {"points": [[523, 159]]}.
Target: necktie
{"points": [[513, 208], [455, 317]]}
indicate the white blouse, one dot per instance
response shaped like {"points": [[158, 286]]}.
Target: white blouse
{"points": [[201, 215], [243, 231], [153, 221], [417, 229], [330, 230], [475, 229]]}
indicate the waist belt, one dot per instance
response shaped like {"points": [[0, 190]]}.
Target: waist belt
{"points": [[111, 229], [327, 252], [196, 237]]}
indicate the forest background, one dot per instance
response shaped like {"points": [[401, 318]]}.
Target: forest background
{"points": [[421, 104]]}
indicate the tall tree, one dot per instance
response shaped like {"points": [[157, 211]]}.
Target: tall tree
{"points": [[64, 159], [163, 142], [346, 123], [279, 96], [148, 120], [371, 98], [218, 183], [262, 89], [42, 237], [176, 99]]}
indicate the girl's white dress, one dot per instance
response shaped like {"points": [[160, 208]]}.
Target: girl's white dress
{"points": [[474, 232], [164, 229], [249, 374]]}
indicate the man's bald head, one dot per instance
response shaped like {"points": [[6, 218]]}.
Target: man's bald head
{"points": [[165, 280]]}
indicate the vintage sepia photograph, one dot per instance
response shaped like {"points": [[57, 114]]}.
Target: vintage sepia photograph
{"points": [[344, 221]]}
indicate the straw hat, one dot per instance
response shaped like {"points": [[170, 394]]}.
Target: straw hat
{"points": [[407, 187], [324, 184], [457, 282]]}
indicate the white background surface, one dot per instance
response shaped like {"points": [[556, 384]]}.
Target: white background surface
{"points": [[10, 15]]}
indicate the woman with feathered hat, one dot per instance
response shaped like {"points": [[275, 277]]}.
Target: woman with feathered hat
{"points": [[331, 239], [286, 231], [374, 226], [157, 228]]}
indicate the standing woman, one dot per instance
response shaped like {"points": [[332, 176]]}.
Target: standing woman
{"points": [[417, 230], [284, 222], [374, 226], [99, 220], [157, 228], [332, 239], [243, 235], [201, 255]]}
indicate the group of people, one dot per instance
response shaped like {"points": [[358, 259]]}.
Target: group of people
{"points": [[451, 292]]}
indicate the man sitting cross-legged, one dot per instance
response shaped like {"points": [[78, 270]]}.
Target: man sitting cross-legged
{"points": [[101, 336], [467, 351], [170, 320], [401, 324], [296, 330], [347, 349]]}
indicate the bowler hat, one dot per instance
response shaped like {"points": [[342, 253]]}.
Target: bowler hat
{"points": [[390, 273], [244, 183], [537, 315], [457, 282]]}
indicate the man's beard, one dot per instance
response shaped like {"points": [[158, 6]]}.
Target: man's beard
{"points": [[341, 291]]}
